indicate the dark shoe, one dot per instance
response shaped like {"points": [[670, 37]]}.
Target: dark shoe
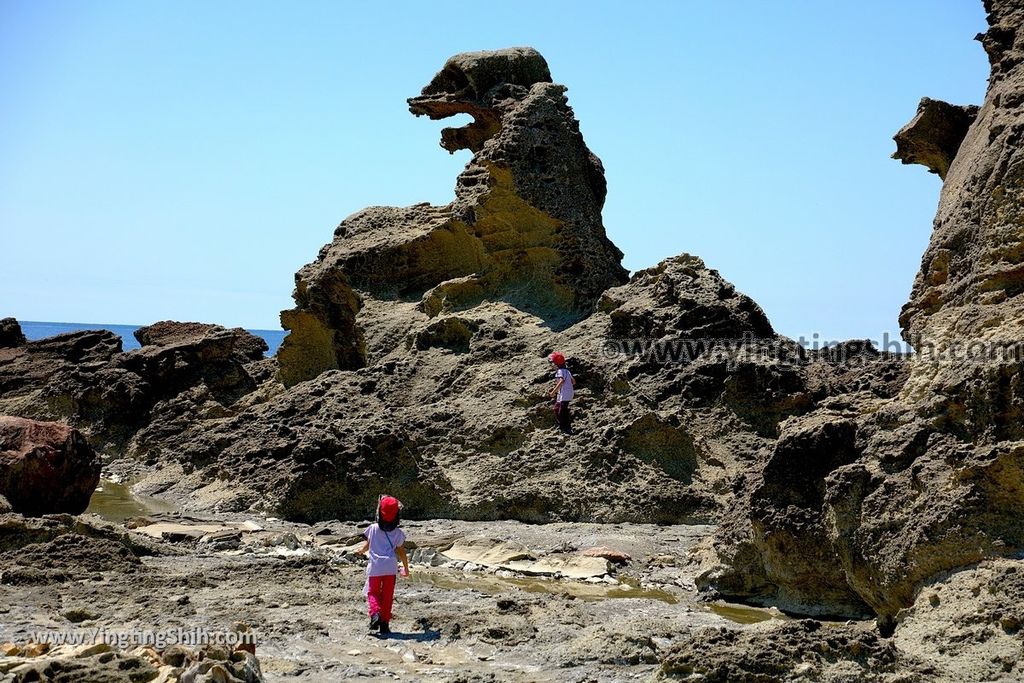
{"points": [[374, 622], [385, 628]]}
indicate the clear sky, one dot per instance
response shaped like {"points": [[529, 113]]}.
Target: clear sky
{"points": [[183, 159]]}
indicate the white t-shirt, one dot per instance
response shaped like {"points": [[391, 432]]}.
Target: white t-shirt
{"points": [[565, 392], [382, 556]]}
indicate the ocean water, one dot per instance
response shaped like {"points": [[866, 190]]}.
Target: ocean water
{"points": [[39, 330]]}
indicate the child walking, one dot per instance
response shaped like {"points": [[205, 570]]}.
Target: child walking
{"points": [[562, 392], [384, 546]]}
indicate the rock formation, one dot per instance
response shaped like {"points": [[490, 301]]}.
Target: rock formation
{"points": [[455, 420], [100, 565], [45, 467], [102, 663], [417, 354], [525, 226], [897, 492], [182, 373], [933, 137], [10, 333], [846, 482]]}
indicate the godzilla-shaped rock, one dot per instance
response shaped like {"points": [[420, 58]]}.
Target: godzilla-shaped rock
{"points": [[437, 323], [525, 226], [45, 467]]}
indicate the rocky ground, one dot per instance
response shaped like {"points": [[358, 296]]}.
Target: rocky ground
{"points": [[550, 614], [486, 601]]}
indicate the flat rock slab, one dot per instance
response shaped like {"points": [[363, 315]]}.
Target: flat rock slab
{"points": [[488, 552], [518, 558], [568, 566]]}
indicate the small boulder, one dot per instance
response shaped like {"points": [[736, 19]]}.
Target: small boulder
{"points": [[228, 539], [282, 540], [10, 333], [610, 554], [46, 467]]}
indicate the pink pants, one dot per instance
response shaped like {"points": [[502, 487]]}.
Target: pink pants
{"points": [[381, 596]]}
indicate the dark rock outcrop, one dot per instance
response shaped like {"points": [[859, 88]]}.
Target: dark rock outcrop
{"points": [[182, 373], [26, 369], [241, 345], [10, 333], [785, 507], [525, 226], [683, 297], [46, 467]]}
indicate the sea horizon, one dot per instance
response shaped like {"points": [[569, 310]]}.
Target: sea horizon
{"points": [[35, 330]]}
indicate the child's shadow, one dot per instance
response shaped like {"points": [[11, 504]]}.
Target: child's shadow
{"points": [[424, 637]]}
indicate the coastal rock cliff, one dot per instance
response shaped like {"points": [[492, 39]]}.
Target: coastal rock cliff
{"points": [[932, 480]]}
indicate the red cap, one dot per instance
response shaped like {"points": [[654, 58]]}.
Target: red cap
{"points": [[557, 358], [388, 508]]}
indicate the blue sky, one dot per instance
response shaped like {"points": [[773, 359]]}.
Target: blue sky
{"points": [[183, 159]]}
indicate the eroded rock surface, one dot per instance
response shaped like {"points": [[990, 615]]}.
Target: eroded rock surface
{"points": [[100, 662], [969, 623], [932, 479], [933, 136], [525, 226], [802, 650], [454, 417]]}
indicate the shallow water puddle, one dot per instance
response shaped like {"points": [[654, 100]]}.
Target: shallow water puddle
{"points": [[493, 585], [741, 614], [583, 591], [116, 503]]}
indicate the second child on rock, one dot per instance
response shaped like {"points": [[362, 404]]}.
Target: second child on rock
{"points": [[562, 392]]}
